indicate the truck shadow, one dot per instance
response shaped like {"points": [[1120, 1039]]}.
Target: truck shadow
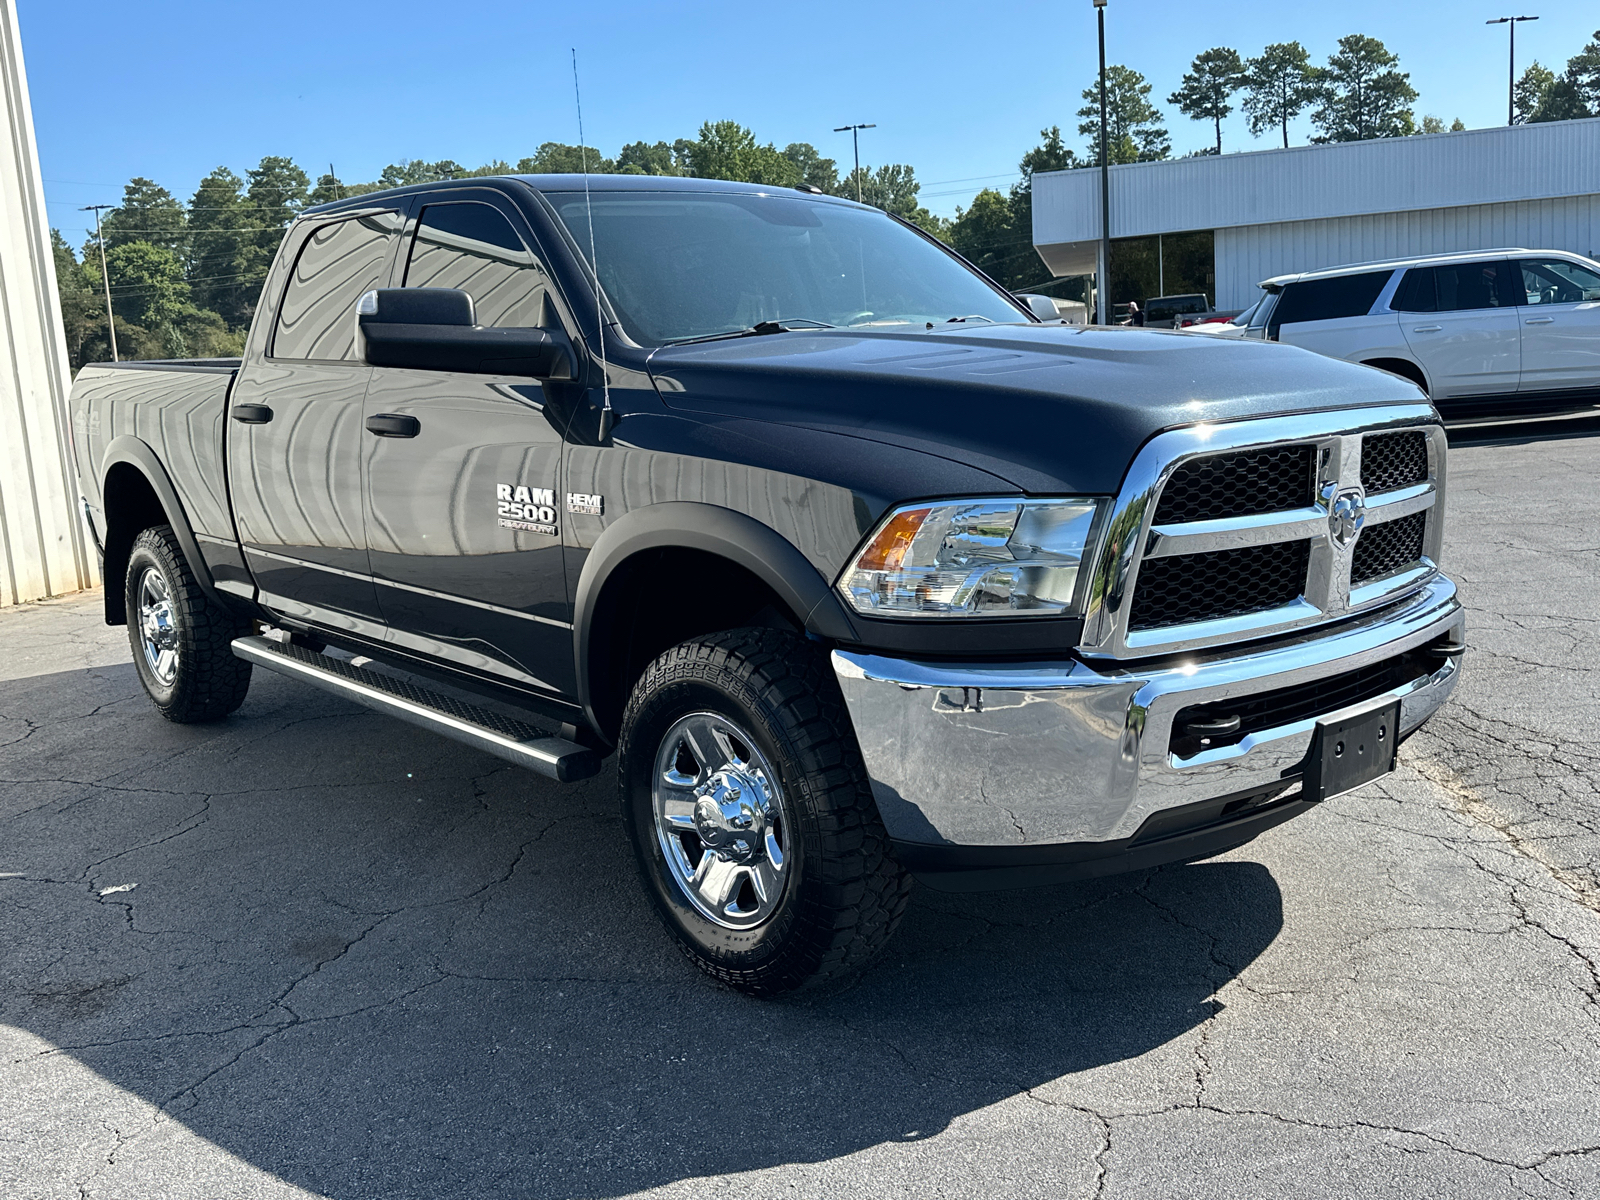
{"points": [[374, 963]]}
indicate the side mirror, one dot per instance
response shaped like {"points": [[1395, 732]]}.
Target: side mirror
{"points": [[1041, 306], [435, 329]]}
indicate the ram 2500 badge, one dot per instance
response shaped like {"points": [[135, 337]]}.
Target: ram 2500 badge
{"points": [[862, 572]]}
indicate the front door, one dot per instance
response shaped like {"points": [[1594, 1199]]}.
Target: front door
{"points": [[1460, 321], [1560, 325], [464, 510], [295, 438]]}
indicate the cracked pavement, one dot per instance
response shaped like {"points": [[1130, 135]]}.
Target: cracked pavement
{"points": [[312, 952]]}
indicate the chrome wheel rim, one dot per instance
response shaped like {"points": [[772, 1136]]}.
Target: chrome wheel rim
{"points": [[722, 821], [158, 628]]}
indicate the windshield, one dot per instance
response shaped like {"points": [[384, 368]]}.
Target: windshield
{"points": [[678, 266], [1244, 317], [1262, 309]]}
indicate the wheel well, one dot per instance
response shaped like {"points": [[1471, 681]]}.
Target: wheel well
{"points": [[1401, 367], [658, 598], [131, 507]]}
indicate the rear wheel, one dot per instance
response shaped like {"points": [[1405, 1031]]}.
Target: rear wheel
{"points": [[751, 814], [181, 638]]}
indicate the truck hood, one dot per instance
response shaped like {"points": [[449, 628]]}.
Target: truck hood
{"points": [[1049, 408]]}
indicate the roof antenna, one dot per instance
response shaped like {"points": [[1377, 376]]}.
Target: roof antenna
{"points": [[606, 418]]}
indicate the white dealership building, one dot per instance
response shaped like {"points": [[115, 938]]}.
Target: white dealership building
{"points": [[1273, 212]]}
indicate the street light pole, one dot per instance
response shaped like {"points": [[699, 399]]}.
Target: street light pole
{"points": [[105, 273], [1102, 291], [855, 137], [1511, 87]]}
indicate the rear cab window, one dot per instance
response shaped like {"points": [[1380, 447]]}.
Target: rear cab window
{"points": [[1164, 307], [336, 264]]}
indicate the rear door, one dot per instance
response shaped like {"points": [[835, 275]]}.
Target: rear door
{"points": [[295, 439], [1560, 324], [464, 516], [1460, 321]]}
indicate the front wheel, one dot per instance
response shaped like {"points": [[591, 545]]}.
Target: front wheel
{"points": [[751, 814]]}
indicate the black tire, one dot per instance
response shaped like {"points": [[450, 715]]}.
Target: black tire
{"points": [[844, 892], [204, 681]]}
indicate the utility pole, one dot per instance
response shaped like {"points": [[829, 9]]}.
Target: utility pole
{"points": [[1102, 289], [105, 273], [1511, 87], [855, 136]]}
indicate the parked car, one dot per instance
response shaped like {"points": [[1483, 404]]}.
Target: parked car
{"points": [[1236, 326], [860, 571], [1494, 327], [1181, 312]]}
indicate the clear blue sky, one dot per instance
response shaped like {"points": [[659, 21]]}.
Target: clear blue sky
{"points": [[169, 89]]}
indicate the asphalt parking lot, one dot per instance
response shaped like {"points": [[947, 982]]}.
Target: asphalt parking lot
{"points": [[312, 952]]}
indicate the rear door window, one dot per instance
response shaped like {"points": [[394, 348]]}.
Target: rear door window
{"points": [[1328, 299], [1461, 287], [337, 264], [1416, 293], [473, 247], [1557, 281]]}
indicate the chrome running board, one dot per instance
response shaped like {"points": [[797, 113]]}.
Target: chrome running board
{"points": [[526, 745]]}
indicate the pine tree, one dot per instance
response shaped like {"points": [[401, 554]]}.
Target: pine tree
{"points": [[1206, 92], [1280, 83]]}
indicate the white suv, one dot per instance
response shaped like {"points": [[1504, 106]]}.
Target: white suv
{"points": [[1495, 324]]}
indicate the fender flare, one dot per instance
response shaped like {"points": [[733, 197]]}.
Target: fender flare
{"points": [[691, 525], [1376, 362], [138, 454]]}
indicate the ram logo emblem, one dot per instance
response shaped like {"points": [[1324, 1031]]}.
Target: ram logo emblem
{"points": [[1346, 516]]}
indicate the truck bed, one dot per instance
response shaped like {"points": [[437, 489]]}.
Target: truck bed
{"points": [[178, 409]]}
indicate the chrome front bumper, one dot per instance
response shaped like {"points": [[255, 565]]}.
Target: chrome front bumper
{"points": [[1040, 754]]}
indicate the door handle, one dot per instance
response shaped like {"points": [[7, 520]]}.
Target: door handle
{"points": [[393, 425], [1427, 329], [1540, 321], [251, 414]]}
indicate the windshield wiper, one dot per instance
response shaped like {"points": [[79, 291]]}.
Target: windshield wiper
{"points": [[759, 329], [970, 317]]}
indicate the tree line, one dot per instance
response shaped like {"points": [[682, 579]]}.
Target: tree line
{"points": [[1542, 95], [1360, 93], [185, 277]]}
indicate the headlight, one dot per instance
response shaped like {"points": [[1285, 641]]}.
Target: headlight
{"points": [[974, 558]]}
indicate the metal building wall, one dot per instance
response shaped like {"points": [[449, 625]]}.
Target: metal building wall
{"points": [[1476, 168], [43, 551], [1245, 255]]}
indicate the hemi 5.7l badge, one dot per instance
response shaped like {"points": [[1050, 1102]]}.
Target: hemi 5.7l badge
{"points": [[590, 504], [529, 509]]}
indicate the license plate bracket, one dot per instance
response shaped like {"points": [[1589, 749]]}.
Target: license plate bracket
{"points": [[1352, 747]]}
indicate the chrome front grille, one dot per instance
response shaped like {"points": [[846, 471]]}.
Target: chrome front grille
{"points": [[1231, 532], [1186, 588], [1387, 548], [1393, 460], [1238, 485]]}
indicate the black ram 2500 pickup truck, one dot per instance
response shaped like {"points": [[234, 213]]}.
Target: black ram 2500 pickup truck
{"points": [[861, 571]]}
